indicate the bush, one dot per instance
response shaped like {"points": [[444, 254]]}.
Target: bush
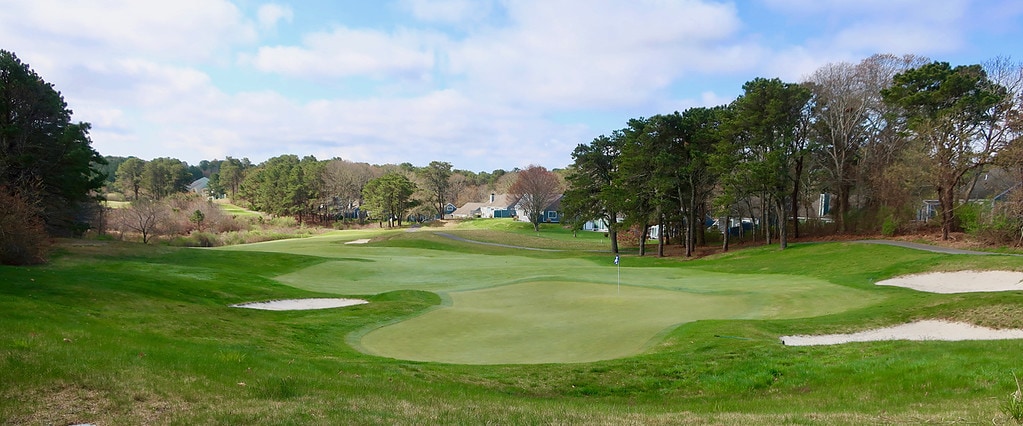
{"points": [[1003, 226], [970, 217], [889, 227], [23, 238], [196, 239]]}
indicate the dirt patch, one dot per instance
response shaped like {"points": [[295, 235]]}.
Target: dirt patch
{"points": [[300, 304]]}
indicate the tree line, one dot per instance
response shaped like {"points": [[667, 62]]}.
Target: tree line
{"points": [[875, 137], [323, 191]]}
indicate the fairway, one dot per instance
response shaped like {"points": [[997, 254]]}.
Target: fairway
{"points": [[507, 308]]}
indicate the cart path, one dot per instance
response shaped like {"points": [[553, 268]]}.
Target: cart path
{"points": [[930, 248]]}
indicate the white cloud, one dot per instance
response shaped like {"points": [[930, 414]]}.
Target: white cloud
{"points": [[270, 14], [898, 37], [448, 11], [887, 26], [564, 54], [185, 29], [350, 52], [926, 10], [504, 86]]}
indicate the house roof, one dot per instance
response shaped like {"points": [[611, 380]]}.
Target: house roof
{"points": [[501, 201], [467, 210], [200, 183], [554, 205]]}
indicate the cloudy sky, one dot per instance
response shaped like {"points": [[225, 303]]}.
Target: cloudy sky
{"points": [[482, 84]]}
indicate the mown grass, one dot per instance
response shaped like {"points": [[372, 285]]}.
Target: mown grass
{"points": [[517, 233], [128, 334], [237, 211]]}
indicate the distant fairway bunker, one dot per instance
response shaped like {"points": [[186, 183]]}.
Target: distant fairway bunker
{"points": [[570, 322], [301, 304]]}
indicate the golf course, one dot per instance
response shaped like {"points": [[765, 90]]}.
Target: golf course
{"points": [[490, 322]]}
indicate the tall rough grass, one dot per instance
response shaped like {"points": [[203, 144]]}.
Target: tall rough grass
{"points": [[1012, 406]]}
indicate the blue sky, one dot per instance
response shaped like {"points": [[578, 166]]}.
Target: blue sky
{"points": [[482, 84]]}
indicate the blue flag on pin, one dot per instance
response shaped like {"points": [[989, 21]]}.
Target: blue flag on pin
{"points": [[616, 260]]}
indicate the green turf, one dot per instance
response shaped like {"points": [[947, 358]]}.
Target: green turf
{"points": [[538, 310], [557, 321], [514, 232], [237, 211], [118, 333]]}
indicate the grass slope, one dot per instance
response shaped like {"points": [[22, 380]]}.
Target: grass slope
{"points": [[127, 334]]}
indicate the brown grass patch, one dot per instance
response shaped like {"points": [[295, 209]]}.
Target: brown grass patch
{"points": [[1002, 316]]}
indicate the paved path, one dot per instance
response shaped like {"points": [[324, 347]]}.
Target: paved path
{"points": [[928, 247]]}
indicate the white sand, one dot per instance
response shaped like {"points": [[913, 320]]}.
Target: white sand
{"points": [[960, 282], [920, 330], [300, 304], [935, 282], [362, 241]]}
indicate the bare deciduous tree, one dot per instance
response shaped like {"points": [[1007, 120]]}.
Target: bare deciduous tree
{"points": [[536, 188], [343, 182], [143, 216]]}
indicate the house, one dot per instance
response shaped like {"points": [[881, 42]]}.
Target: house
{"points": [[499, 205], [449, 212], [550, 214], [201, 186], [469, 210]]}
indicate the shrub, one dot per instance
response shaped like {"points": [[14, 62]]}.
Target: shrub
{"points": [[23, 238], [196, 239], [970, 217], [889, 227]]}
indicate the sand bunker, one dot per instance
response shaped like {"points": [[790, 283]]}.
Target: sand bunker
{"points": [[960, 282], [935, 282], [300, 304], [920, 330], [361, 241]]}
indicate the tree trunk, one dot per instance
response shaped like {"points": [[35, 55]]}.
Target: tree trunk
{"points": [[728, 231], [642, 239], [842, 200], [613, 234], [690, 230], [701, 232], [946, 199], [795, 197], [660, 233], [783, 241]]}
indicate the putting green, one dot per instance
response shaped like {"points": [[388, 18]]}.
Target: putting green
{"points": [[513, 309], [562, 322]]}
